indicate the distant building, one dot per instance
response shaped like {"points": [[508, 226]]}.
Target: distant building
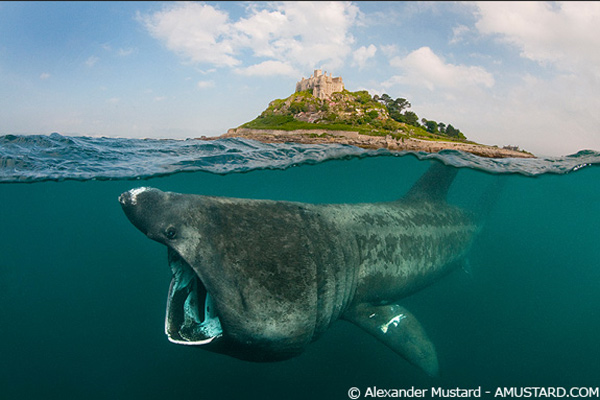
{"points": [[510, 147], [321, 84]]}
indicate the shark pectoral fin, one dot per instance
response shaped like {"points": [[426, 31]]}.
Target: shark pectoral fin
{"points": [[398, 329]]}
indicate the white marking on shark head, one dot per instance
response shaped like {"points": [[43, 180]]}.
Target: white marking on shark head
{"points": [[135, 192]]}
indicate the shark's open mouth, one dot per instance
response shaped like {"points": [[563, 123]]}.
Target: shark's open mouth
{"points": [[191, 318]]}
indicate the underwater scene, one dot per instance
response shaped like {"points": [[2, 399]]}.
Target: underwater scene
{"points": [[83, 292]]}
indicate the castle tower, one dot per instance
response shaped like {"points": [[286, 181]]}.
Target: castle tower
{"points": [[322, 85]]}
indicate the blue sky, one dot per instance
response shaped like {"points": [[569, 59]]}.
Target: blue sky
{"points": [[515, 73]]}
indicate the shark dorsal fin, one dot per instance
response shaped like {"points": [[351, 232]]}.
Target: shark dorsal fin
{"points": [[433, 185]]}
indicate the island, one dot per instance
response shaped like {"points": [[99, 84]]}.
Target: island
{"points": [[322, 111]]}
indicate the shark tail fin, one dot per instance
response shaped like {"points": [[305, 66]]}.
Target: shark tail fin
{"points": [[397, 328], [434, 184]]}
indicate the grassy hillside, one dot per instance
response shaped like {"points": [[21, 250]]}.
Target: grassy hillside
{"points": [[348, 111]]}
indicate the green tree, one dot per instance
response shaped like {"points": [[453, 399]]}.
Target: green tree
{"points": [[411, 118], [385, 99], [431, 126], [373, 114], [442, 128], [394, 107], [362, 96], [298, 107], [400, 104], [454, 133], [395, 115]]}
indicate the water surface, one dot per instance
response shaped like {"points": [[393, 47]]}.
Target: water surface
{"points": [[83, 293]]}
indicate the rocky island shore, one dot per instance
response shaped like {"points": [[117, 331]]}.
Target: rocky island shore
{"points": [[322, 111], [322, 136]]}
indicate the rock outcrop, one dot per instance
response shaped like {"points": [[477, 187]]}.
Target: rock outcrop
{"points": [[321, 136]]}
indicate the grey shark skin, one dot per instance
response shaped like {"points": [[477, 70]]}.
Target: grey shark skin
{"points": [[259, 279]]}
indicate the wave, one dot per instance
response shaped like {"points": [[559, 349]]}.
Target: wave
{"points": [[38, 158]]}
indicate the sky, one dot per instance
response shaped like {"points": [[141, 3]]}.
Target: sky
{"points": [[514, 73]]}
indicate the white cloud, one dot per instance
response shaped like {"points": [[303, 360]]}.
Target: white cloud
{"points": [[549, 116], [126, 52], [389, 50], [566, 34], [305, 33], [198, 32], [300, 34], [205, 72], [362, 55], [543, 116], [44, 76], [123, 52], [269, 68], [205, 84], [91, 61], [458, 33], [423, 67], [556, 114]]}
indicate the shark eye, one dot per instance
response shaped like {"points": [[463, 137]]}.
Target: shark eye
{"points": [[171, 233]]}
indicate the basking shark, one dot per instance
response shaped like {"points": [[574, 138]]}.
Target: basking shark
{"points": [[259, 279]]}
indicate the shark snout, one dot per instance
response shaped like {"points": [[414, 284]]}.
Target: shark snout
{"points": [[125, 199], [130, 197], [139, 205]]}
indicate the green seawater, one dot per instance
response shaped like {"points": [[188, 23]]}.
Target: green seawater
{"points": [[83, 293]]}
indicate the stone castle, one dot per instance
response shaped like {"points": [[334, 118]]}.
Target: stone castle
{"points": [[321, 84]]}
